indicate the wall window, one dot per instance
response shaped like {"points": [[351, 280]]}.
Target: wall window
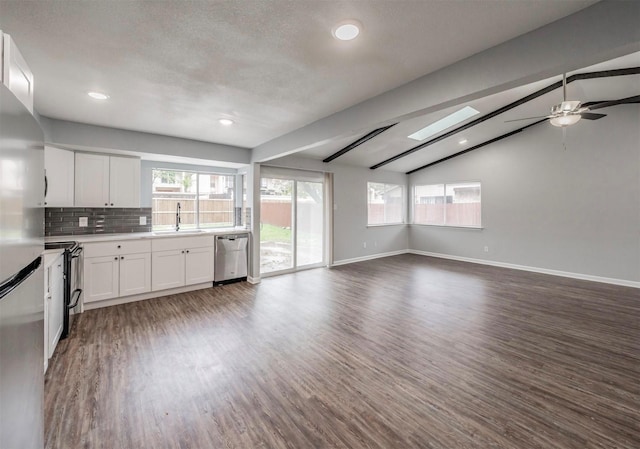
{"points": [[385, 203], [206, 199], [447, 204]]}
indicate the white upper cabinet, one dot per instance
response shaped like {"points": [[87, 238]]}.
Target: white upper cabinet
{"points": [[15, 72], [59, 171], [106, 181], [92, 180], [124, 182]]}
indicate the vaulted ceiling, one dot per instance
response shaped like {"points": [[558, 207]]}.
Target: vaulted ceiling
{"points": [[176, 67], [379, 151]]}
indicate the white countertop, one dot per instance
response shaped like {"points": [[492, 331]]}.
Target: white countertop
{"points": [[142, 235]]}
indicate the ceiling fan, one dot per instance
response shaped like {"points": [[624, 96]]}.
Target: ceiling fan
{"points": [[569, 112]]}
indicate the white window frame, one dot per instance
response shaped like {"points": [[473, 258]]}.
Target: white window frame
{"points": [[403, 220], [444, 212], [197, 209]]}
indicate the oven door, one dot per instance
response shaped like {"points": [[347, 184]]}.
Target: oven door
{"points": [[75, 303]]}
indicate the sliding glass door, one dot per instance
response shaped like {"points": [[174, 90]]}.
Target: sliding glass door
{"points": [[276, 225], [310, 223], [292, 231]]}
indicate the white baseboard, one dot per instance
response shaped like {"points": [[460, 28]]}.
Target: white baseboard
{"points": [[369, 257], [143, 296], [252, 280], [566, 274]]}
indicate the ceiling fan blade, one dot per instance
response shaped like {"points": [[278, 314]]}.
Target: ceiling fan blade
{"points": [[605, 104], [592, 116], [527, 118]]}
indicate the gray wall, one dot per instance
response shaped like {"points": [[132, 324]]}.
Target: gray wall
{"points": [[574, 210], [350, 229], [87, 137]]}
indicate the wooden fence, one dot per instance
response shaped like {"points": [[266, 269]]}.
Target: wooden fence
{"points": [[457, 214], [219, 211]]}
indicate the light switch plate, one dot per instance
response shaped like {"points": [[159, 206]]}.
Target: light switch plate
{"points": [[143, 221], [83, 222]]}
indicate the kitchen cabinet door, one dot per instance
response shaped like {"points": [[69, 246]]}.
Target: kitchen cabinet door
{"points": [[101, 276], [92, 180], [198, 265], [16, 74], [56, 305], [135, 274], [47, 300], [167, 269], [59, 171], [124, 182]]}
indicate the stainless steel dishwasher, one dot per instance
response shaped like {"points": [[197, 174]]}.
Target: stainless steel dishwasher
{"points": [[231, 258]]}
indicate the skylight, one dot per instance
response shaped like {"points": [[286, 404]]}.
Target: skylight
{"points": [[444, 123]]}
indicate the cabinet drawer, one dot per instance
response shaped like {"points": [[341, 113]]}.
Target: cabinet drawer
{"points": [[117, 247], [169, 244]]}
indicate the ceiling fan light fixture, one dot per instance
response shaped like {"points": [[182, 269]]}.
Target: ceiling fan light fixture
{"points": [[562, 121]]}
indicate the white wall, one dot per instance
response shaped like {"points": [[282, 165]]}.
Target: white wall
{"points": [[575, 210], [350, 229]]}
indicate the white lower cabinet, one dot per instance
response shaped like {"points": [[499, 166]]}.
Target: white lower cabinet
{"points": [[198, 265], [53, 305], [100, 278], [114, 269], [135, 274], [181, 261], [167, 269]]}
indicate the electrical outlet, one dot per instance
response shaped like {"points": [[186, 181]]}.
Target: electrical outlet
{"points": [[375, 243], [143, 221], [364, 244], [486, 249], [83, 222]]}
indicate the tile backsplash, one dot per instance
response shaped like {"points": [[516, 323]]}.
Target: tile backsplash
{"points": [[100, 220]]}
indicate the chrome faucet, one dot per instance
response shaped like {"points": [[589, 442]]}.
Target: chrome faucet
{"points": [[178, 217]]}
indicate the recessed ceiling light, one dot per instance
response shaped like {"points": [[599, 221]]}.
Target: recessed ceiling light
{"points": [[226, 121], [444, 123], [347, 30], [98, 95], [463, 141]]}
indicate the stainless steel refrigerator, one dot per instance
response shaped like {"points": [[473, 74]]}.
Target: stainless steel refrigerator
{"points": [[21, 276]]}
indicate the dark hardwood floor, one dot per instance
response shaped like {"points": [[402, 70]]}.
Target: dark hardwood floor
{"points": [[402, 352]]}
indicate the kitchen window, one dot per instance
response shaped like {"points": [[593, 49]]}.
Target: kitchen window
{"points": [[385, 204], [206, 200], [457, 204]]}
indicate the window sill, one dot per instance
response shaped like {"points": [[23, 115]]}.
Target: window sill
{"points": [[385, 224], [473, 228]]}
